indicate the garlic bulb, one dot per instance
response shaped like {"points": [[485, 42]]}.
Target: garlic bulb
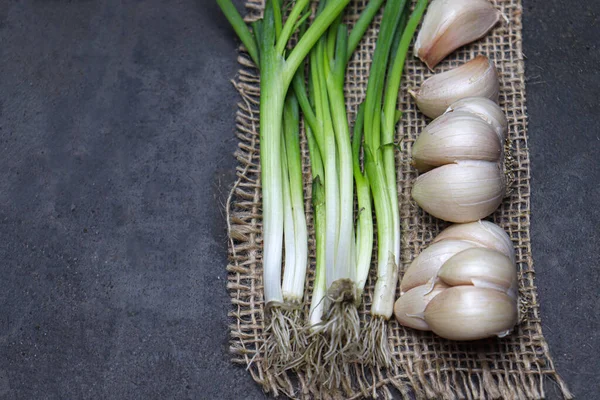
{"points": [[427, 264], [458, 135], [462, 287], [461, 192], [486, 109], [409, 309], [471, 313], [450, 24], [481, 267], [476, 78], [485, 233]]}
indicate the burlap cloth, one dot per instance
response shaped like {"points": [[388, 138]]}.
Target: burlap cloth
{"points": [[515, 367]]}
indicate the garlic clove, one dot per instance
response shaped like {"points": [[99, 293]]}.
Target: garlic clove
{"points": [[485, 233], [462, 192], [480, 267], [427, 264], [455, 136], [486, 109], [450, 24], [476, 78], [410, 307], [471, 313]]}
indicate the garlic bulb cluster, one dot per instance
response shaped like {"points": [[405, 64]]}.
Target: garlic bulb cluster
{"points": [[476, 78], [463, 286], [462, 155], [450, 24]]}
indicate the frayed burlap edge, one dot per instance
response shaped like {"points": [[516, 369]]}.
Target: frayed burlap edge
{"points": [[515, 367]]}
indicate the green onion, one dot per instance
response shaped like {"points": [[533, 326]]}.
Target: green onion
{"points": [[312, 358], [266, 46], [335, 325], [364, 226], [379, 129], [293, 279], [338, 325], [318, 203]]}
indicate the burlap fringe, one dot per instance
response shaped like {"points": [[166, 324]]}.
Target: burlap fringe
{"points": [[425, 366]]}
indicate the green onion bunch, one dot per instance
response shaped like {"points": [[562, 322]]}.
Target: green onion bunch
{"points": [[331, 340]]}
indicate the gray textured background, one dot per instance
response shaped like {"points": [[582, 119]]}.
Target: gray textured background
{"points": [[116, 142]]}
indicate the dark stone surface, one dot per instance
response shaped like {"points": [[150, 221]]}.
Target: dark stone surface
{"points": [[115, 152], [116, 135], [563, 86]]}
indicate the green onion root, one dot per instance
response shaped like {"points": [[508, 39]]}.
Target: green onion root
{"points": [[377, 349], [285, 339]]}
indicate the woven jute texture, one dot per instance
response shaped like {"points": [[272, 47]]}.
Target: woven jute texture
{"points": [[516, 367]]}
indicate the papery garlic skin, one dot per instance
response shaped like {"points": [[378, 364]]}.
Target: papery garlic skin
{"points": [[450, 24], [409, 309], [476, 78], [486, 233], [427, 264], [461, 192], [486, 109], [471, 313], [458, 135]]}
